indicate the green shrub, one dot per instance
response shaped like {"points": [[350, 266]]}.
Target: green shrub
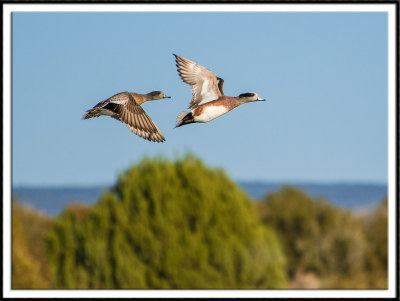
{"points": [[376, 230], [167, 225], [29, 263], [316, 236]]}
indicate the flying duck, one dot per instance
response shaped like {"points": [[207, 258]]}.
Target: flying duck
{"points": [[126, 107], [208, 99]]}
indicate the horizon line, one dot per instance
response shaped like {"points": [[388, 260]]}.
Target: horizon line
{"points": [[237, 181]]}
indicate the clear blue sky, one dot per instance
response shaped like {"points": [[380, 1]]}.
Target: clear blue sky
{"points": [[324, 76]]}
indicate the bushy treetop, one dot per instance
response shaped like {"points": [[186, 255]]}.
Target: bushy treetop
{"points": [[167, 224]]}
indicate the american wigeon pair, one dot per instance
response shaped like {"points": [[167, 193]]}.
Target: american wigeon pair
{"points": [[208, 102]]}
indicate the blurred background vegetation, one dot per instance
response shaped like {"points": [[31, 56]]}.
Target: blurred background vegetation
{"points": [[179, 224]]}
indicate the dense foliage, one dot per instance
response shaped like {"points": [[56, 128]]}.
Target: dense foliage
{"points": [[29, 263], [333, 243], [179, 224], [376, 230], [166, 225]]}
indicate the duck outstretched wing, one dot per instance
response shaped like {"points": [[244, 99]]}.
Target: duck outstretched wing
{"points": [[205, 84], [139, 122]]}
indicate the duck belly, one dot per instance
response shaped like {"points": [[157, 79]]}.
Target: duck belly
{"points": [[208, 113]]}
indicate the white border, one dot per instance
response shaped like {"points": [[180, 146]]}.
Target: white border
{"points": [[392, 197], [8, 8], [6, 153], [198, 7]]}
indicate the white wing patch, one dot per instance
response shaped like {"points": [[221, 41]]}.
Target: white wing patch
{"points": [[207, 92], [204, 87]]}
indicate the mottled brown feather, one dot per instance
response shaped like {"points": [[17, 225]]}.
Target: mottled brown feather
{"points": [[134, 115], [126, 108]]}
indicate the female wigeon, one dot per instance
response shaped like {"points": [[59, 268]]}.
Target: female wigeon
{"points": [[126, 107]]}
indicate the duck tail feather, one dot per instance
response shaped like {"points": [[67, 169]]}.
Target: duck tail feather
{"points": [[184, 118]]}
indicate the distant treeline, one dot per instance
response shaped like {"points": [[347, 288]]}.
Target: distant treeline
{"points": [[359, 197], [179, 224]]}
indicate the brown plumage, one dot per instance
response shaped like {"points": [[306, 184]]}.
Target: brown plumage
{"points": [[224, 101], [126, 107]]}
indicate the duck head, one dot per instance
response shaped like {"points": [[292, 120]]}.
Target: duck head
{"points": [[249, 97], [157, 95]]}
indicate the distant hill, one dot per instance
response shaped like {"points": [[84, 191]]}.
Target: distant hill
{"points": [[52, 200]]}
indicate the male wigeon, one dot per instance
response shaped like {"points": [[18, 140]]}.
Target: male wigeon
{"points": [[208, 99]]}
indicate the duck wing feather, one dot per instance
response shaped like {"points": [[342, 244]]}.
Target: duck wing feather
{"points": [[204, 82], [139, 122]]}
